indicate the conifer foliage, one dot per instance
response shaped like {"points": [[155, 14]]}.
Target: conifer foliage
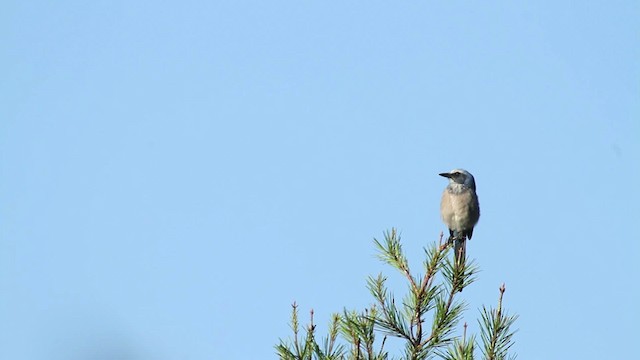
{"points": [[425, 319]]}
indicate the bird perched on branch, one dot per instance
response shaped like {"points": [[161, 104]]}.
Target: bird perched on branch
{"points": [[460, 209]]}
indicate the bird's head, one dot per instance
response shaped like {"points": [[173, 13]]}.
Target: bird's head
{"points": [[462, 177]]}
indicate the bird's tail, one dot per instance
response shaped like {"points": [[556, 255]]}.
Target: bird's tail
{"points": [[460, 250], [460, 253]]}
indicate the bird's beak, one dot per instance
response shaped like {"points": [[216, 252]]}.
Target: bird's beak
{"points": [[447, 175]]}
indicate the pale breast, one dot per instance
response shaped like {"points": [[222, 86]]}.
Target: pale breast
{"points": [[460, 211]]}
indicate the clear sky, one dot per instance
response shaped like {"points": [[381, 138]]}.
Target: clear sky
{"points": [[174, 174]]}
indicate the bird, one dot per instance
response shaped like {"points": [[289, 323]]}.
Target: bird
{"points": [[460, 210]]}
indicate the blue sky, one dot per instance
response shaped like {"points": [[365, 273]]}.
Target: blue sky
{"points": [[173, 175]]}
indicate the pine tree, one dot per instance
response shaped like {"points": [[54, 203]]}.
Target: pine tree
{"points": [[425, 320]]}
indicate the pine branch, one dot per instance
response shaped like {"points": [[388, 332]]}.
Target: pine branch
{"points": [[391, 321], [496, 333], [461, 349], [432, 295], [308, 348], [424, 296], [358, 330]]}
